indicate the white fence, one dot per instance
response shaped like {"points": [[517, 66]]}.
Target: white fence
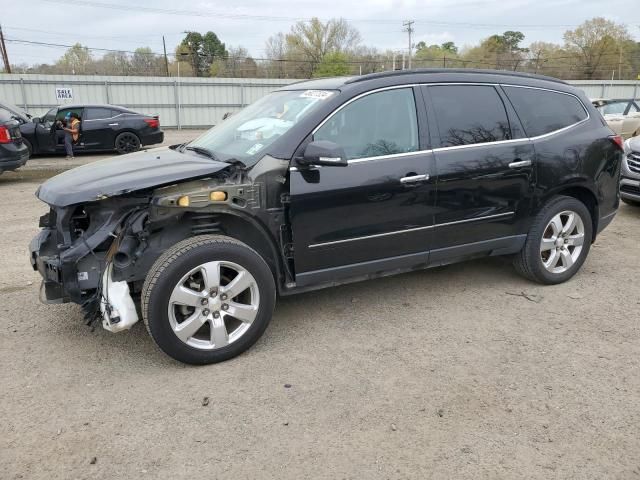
{"points": [[186, 102], [180, 102]]}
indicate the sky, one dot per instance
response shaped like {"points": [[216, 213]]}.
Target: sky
{"points": [[122, 25]]}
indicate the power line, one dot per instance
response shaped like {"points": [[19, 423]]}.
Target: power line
{"points": [[271, 18]]}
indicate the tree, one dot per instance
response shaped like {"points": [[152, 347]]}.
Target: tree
{"points": [[238, 64], [275, 50], [77, 60], [445, 55], [203, 51], [113, 63], [333, 64], [597, 43], [309, 42], [145, 62]]}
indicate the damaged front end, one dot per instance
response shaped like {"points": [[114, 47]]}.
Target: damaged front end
{"points": [[76, 248]]}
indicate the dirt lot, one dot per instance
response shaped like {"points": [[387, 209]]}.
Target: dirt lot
{"points": [[466, 371]]}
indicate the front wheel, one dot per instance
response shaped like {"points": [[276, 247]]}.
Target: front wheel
{"points": [[558, 242], [127, 142], [208, 299]]}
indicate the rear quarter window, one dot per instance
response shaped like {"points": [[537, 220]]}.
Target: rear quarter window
{"points": [[545, 111]]}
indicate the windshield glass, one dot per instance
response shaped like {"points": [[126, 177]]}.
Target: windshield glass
{"points": [[245, 135]]}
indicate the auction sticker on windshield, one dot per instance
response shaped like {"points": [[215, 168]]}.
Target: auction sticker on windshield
{"points": [[319, 94]]}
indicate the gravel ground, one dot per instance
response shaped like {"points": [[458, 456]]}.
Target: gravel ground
{"points": [[466, 371]]}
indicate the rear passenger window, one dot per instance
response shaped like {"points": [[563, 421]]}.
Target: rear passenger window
{"points": [[98, 113], [378, 124], [544, 111], [468, 114]]}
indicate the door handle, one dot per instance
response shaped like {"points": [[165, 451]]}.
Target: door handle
{"points": [[520, 164], [113, 124], [414, 179]]}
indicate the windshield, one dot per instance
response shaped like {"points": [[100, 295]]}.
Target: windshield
{"points": [[245, 135]]}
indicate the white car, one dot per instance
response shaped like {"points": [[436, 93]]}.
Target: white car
{"points": [[623, 116]]}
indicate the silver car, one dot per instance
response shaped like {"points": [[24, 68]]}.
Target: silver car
{"points": [[630, 176]]}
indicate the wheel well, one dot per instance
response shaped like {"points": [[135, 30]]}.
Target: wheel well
{"points": [[589, 199], [254, 236]]}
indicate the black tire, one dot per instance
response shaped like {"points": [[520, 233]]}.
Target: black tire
{"points": [[633, 203], [166, 273], [127, 142], [528, 261], [28, 145]]}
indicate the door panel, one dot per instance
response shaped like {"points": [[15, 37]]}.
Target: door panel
{"points": [[346, 215], [45, 132], [484, 176], [379, 206], [98, 127]]}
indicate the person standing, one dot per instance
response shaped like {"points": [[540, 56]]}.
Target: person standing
{"points": [[71, 134]]}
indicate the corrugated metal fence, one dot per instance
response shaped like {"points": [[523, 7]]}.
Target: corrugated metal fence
{"points": [[180, 102], [188, 102]]}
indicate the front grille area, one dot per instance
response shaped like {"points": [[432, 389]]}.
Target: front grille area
{"points": [[633, 162], [630, 189]]}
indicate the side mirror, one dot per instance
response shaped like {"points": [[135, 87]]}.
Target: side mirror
{"points": [[35, 120], [325, 153]]}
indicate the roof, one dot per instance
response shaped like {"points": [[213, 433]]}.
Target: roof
{"points": [[420, 74], [426, 71], [92, 105]]}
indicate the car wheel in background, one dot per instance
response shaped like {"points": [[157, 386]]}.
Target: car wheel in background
{"points": [[558, 242], [127, 142], [208, 299]]}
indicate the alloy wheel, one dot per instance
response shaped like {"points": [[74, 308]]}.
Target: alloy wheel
{"points": [[213, 305], [128, 143], [562, 242]]}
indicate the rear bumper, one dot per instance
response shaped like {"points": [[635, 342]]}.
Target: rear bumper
{"points": [[13, 156], [153, 138]]}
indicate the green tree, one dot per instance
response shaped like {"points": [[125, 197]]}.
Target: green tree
{"points": [[203, 51], [145, 62], [333, 64], [308, 43], [597, 45], [77, 60]]}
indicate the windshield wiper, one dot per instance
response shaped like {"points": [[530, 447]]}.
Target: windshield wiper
{"points": [[203, 151]]}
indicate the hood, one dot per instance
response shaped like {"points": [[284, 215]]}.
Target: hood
{"points": [[123, 174]]}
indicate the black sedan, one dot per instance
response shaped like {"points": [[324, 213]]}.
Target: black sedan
{"points": [[102, 128]]}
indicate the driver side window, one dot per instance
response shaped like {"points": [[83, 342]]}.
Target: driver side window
{"points": [[382, 123], [50, 116]]}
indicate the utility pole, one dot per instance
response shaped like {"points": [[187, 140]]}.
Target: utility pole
{"points": [[5, 55], [166, 60], [409, 29]]}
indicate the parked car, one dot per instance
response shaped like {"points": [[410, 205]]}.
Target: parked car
{"points": [[102, 128], [326, 182], [630, 177], [13, 151], [623, 116]]}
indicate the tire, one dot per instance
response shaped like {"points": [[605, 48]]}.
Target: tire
{"points": [[632, 203], [537, 264], [218, 338], [127, 142], [28, 145]]}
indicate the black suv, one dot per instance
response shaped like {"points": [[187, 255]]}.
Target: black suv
{"points": [[325, 182]]}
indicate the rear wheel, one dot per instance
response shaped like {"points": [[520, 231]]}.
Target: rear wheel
{"points": [[127, 142], [208, 299], [558, 242]]}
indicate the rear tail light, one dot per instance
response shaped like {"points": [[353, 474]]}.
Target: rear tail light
{"points": [[152, 122], [617, 139], [5, 135]]}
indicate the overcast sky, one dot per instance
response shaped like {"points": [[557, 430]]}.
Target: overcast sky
{"points": [[117, 24]]}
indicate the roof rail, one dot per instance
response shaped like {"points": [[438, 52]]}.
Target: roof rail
{"points": [[392, 73]]}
